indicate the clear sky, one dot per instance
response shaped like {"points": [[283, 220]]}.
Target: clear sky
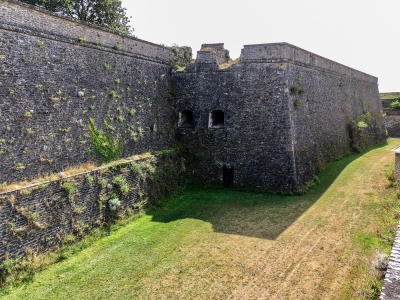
{"points": [[362, 34]]}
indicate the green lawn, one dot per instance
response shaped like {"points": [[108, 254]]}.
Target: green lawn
{"points": [[219, 244]]}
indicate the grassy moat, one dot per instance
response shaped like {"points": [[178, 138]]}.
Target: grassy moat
{"points": [[220, 244]]}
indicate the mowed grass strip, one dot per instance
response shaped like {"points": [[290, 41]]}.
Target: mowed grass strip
{"points": [[224, 244]]}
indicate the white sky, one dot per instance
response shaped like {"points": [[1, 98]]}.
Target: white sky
{"points": [[362, 34]]}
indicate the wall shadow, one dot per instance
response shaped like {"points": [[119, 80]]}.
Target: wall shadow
{"points": [[259, 215]]}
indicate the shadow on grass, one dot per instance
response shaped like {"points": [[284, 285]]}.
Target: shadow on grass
{"points": [[259, 215]]}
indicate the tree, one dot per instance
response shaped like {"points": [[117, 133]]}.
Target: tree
{"points": [[105, 13]]}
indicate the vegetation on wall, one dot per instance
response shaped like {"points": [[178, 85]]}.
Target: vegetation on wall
{"points": [[107, 146], [182, 56]]}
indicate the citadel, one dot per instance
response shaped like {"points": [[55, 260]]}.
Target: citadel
{"points": [[270, 120]]}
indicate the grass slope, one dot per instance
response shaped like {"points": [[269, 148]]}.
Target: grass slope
{"points": [[389, 96], [221, 244]]}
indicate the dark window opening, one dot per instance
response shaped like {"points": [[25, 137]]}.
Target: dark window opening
{"points": [[186, 119], [217, 119], [227, 176]]}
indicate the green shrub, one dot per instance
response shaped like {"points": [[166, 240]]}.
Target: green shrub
{"points": [[107, 147], [395, 105]]}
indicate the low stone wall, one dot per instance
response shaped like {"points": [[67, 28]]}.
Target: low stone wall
{"points": [[392, 120], [43, 216], [391, 286]]}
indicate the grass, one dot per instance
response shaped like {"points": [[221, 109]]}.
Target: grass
{"points": [[231, 62], [389, 96], [219, 244]]}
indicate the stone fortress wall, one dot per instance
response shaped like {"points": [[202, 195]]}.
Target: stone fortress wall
{"points": [[270, 121], [287, 114], [51, 85], [29, 19]]}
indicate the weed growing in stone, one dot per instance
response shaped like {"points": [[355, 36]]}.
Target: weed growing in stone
{"points": [[296, 90], [89, 179], [18, 167], [120, 182], [103, 183], [112, 94], [117, 47], [114, 203], [69, 188], [107, 147]]}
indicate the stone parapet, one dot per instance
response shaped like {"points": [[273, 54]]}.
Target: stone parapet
{"points": [[284, 52], [17, 14]]}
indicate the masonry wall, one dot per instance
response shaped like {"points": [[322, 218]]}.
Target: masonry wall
{"points": [[51, 85], [44, 216], [255, 140], [326, 112], [31, 19], [392, 119], [288, 113]]}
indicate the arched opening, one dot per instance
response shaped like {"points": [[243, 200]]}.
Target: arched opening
{"points": [[217, 119], [186, 119]]}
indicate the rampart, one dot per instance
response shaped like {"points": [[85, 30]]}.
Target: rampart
{"points": [[270, 121], [19, 16], [284, 52], [286, 114], [55, 76]]}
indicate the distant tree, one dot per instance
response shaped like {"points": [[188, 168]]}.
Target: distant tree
{"points": [[105, 13]]}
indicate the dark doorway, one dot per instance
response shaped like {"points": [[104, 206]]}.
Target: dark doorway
{"points": [[227, 176]]}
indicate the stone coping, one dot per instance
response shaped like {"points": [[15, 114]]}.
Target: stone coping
{"points": [[61, 176]]}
